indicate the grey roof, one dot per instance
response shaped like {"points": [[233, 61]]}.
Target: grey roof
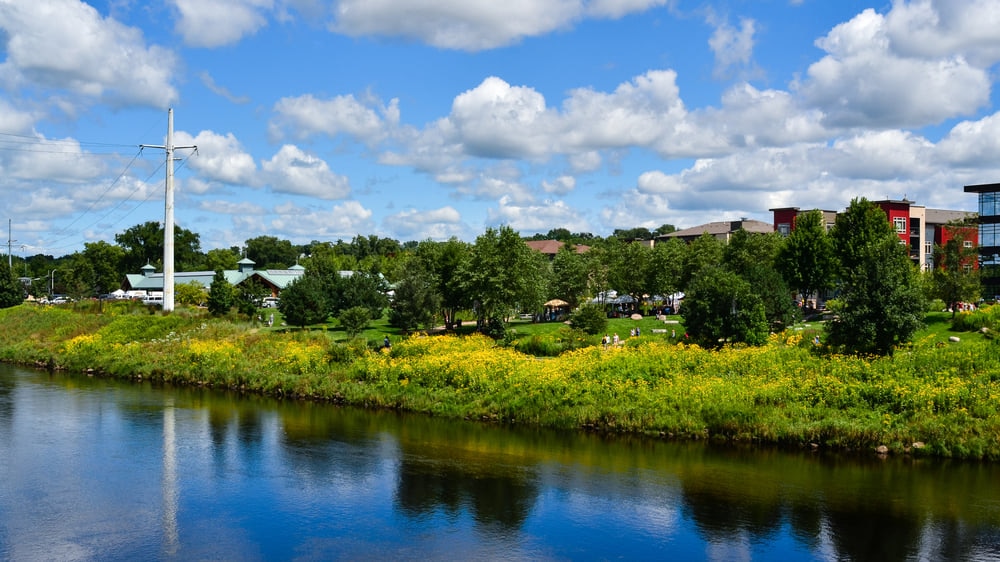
{"points": [[279, 278], [721, 228], [943, 216]]}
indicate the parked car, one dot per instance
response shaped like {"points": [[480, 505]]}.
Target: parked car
{"points": [[270, 302]]}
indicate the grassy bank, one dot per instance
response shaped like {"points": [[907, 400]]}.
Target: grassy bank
{"points": [[943, 396]]}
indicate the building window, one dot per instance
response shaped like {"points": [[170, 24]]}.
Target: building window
{"points": [[900, 224], [784, 229], [967, 243], [928, 248]]}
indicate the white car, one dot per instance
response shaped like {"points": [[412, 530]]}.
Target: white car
{"points": [[270, 302]]}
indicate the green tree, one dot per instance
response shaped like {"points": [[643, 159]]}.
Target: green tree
{"points": [[221, 258], [367, 290], [628, 269], [221, 294], [106, 263], [503, 275], [880, 304], [248, 296], [269, 252], [416, 300], [11, 290], [752, 256], [143, 243], [666, 268], [955, 279], [807, 260], [703, 252], [569, 275], [720, 307], [304, 302], [445, 261], [355, 320], [192, 293], [590, 318]]}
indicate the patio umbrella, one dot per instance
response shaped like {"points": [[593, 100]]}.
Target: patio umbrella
{"points": [[556, 303]]}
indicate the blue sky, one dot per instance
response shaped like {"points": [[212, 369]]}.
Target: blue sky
{"points": [[417, 119]]}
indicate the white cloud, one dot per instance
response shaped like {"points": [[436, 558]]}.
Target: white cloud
{"points": [[455, 24], [497, 120], [67, 45], [863, 82], [935, 28], [219, 157], [436, 224], [560, 186], [973, 143], [291, 170], [340, 221], [306, 116], [537, 218], [219, 22], [732, 47], [241, 208]]}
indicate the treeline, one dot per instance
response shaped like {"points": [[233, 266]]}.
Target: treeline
{"points": [[735, 292]]}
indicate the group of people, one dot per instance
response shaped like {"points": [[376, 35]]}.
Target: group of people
{"points": [[616, 341]]}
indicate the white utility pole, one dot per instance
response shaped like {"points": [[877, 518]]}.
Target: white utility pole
{"points": [[168, 214], [10, 255]]}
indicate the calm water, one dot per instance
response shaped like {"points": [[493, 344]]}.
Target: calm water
{"points": [[101, 470]]}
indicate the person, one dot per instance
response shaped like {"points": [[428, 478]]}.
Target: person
{"points": [[638, 331], [270, 321], [386, 343], [604, 341], [615, 340]]}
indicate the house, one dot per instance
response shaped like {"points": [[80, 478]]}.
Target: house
{"points": [[551, 247], [274, 279], [723, 230]]}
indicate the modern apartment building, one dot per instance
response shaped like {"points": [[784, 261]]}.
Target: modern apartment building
{"points": [[918, 227]]}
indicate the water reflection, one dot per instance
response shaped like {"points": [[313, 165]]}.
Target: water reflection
{"points": [[102, 469]]}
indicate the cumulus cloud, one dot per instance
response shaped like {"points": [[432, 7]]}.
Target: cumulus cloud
{"points": [[219, 158], [294, 171], [306, 116], [733, 47], [940, 29], [560, 186], [473, 25], [241, 208], [345, 220], [435, 224], [538, 217], [67, 45], [863, 81], [219, 22]]}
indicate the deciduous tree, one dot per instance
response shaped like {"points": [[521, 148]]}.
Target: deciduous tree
{"points": [[880, 304]]}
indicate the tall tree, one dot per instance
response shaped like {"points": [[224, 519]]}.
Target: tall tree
{"points": [[569, 275], [303, 301], [106, 261], [269, 252], [628, 267], [11, 290], [503, 274], [721, 307], [704, 251], [807, 260], [221, 295], [880, 304], [666, 268], [446, 261], [416, 300], [143, 243]]}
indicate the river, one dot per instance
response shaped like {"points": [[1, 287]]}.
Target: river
{"points": [[94, 469]]}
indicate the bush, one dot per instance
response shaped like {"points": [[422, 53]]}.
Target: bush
{"points": [[589, 319], [355, 320]]}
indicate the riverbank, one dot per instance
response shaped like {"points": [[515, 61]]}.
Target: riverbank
{"points": [[926, 400]]}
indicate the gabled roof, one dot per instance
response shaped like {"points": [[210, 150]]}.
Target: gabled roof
{"points": [[277, 278]]}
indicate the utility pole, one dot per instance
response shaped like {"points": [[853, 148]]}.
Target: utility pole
{"points": [[10, 255], [168, 214]]}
